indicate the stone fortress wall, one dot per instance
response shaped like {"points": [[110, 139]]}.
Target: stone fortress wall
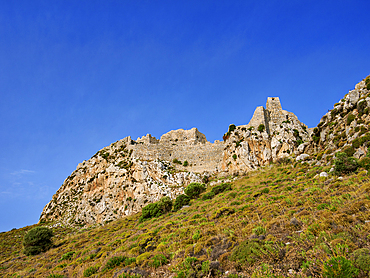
{"points": [[193, 147], [183, 145]]}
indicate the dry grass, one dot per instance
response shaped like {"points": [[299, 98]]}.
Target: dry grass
{"points": [[275, 222]]}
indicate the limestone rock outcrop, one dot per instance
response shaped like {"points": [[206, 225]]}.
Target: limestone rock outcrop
{"points": [[122, 178], [271, 134], [345, 128]]}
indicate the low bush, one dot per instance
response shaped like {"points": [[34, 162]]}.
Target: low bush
{"points": [[67, 256], [261, 128], [181, 200], [114, 261], [156, 209], [158, 260], [208, 195], [251, 251], [37, 240], [53, 275], [349, 150], [150, 211], [90, 271], [350, 118], [365, 163], [361, 106], [224, 211], [165, 205], [221, 188], [362, 260], [339, 267], [367, 82], [194, 189], [259, 230], [343, 164], [232, 127]]}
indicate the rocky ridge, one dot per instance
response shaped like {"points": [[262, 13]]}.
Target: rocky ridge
{"points": [[122, 178], [345, 128]]}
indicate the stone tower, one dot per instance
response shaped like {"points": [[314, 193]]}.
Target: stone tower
{"points": [[276, 114], [272, 117]]}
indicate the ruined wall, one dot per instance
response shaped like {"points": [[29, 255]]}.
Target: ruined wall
{"points": [[201, 157]]}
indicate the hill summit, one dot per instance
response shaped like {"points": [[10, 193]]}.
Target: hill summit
{"points": [[122, 178]]}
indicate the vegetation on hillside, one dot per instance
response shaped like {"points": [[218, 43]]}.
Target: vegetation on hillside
{"points": [[279, 221]]}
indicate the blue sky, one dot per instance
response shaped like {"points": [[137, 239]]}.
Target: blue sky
{"points": [[76, 76]]}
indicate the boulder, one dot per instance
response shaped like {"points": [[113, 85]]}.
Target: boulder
{"points": [[302, 157]]}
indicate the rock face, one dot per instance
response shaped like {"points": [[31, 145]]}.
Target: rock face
{"points": [[272, 133], [127, 175], [345, 128]]}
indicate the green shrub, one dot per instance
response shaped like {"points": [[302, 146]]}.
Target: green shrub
{"points": [[221, 188], [365, 163], [334, 112], [156, 209], [37, 240], [232, 127], [67, 256], [234, 156], [188, 268], [186, 163], [223, 212], [316, 139], [362, 259], [259, 230], [261, 128], [208, 195], [350, 118], [150, 211], [165, 204], [356, 143], [177, 161], [344, 164], [367, 82], [53, 275], [194, 189], [265, 191], [114, 261], [339, 267], [349, 150], [361, 105], [158, 260], [251, 251], [90, 271], [181, 200]]}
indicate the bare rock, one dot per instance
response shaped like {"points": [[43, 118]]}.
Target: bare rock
{"points": [[302, 157]]}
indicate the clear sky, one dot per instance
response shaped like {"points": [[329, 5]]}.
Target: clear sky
{"points": [[76, 76]]}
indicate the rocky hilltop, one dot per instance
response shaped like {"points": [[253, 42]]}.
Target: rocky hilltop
{"points": [[122, 178]]}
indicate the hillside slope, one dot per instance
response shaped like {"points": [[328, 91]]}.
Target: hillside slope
{"points": [[278, 219]]}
